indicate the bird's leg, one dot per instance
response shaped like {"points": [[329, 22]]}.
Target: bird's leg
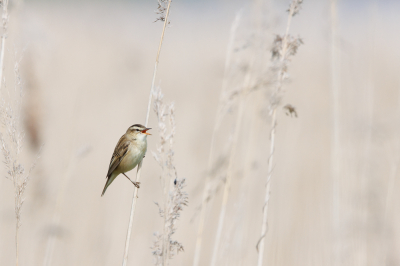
{"points": [[138, 169], [135, 183]]}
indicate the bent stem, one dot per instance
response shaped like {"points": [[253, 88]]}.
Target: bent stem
{"points": [[135, 193]]}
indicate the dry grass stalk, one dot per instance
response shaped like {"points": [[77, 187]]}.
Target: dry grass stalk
{"points": [[248, 86], [11, 139], [227, 184], [175, 198], [244, 78], [284, 47], [391, 187], [68, 173], [165, 15], [211, 170], [4, 19]]}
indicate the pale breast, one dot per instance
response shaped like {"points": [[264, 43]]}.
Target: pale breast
{"points": [[132, 158]]}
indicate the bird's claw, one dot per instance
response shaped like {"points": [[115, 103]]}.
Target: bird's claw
{"points": [[136, 184]]}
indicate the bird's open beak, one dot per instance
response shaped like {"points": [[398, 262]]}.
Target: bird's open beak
{"points": [[144, 131]]}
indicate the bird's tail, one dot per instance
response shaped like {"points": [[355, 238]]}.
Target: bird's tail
{"points": [[110, 179]]}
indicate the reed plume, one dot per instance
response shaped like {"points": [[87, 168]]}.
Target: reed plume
{"points": [[11, 140], [175, 198], [284, 47]]}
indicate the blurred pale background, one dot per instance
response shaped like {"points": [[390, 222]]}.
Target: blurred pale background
{"points": [[87, 69]]}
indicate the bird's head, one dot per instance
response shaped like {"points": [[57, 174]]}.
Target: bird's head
{"points": [[138, 130]]}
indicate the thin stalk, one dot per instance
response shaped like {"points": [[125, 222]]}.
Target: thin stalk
{"points": [[135, 193], [16, 244], [165, 238], [389, 199], [3, 40], [227, 185], [204, 204], [391, 188], [228, 181], [166, 245], [264, 225], [165, 252], [246, 186], [207, 186], [3, 45], [73, 161], [74, 157]]}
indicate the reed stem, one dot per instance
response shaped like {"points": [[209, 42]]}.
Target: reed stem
{"points": [[204, 203], [135, 193], [227, 185], [294, 7], [3, 37]]}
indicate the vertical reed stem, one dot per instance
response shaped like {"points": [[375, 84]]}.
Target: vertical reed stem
{"points": [[204, 202], [3, 44], [239, 118], [280, 79], [4, 16], [16, 243], [3, 38], [227, 185], [135, 193], [166, 245], [264, 226]]}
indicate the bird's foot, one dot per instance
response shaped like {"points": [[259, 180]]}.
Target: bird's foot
{"points": [[136, 184]]}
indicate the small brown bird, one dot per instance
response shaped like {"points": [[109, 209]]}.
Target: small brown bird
{"points": [[129, 152]]}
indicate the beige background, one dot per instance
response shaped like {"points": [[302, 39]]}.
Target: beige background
{"points": [[87, 69]]}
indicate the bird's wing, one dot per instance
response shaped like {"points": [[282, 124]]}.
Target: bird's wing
{"points": [[119, 153]]}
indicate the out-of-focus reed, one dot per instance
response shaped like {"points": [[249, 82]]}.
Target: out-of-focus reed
{"points": [[175, 198]]}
